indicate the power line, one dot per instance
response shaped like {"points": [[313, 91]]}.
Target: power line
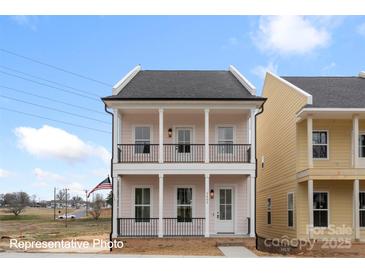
{"points": [[55, 67], [54, 109], [50, 86], [49, 81], [52, 100], [54, 120]]}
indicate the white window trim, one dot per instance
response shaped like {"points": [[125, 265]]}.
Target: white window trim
{"points": [[268, 210], [192, 197], [361, 227], [175, 135], [293, 209], [133, 211], [328, 144], [142, 125], [225, 125], [358, 140], [328, 210]]}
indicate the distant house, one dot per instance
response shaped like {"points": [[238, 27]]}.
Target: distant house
{"points": [[184, 153]]}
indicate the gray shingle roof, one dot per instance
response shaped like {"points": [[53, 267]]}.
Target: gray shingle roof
{"points": [[332, 92], [184, 85]]}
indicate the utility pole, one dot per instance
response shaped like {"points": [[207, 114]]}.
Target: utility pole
{"points": [[66, 209], [54, 204], [86, 204]]}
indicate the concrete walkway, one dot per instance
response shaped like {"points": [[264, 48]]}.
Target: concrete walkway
{"points": [[237, 252]]}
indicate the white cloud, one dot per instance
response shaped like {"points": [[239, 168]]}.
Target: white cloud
{"points": [[41, 174], [361, 29], [4, 173], [328, 67], [51, 142], [260, 71], [293, 34], [26, 21]]}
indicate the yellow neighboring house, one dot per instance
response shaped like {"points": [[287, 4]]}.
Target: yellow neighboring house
{"points": [[311, 158]]}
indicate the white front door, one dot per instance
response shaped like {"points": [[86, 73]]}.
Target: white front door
{"points": [[225, 210], [184, 138]]}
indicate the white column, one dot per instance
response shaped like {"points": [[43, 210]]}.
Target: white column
{"points": [[160, 138], [160, 205], [115, 207], [207, 205], [356, 204], [355, 139], [310, 141], [119, 197], [310, 208], [206, 134], [253, 135], [116, 130], [252, 197]]}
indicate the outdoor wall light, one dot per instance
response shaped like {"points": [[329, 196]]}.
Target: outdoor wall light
{"points": [[211, 194], [169, 132]]}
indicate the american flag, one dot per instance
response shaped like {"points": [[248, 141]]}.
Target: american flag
{"points": [[103, 185]]}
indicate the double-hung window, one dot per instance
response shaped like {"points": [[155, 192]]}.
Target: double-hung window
{"points": [[320, 144], [142, 204], [290, 209], [320, 209], [142, 141], [269, 205], [225, 139], [362, 209], [362, 145], [184, 204]]}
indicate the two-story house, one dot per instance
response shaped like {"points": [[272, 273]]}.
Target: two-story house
{"points": [[311, 158], [183, 153]]}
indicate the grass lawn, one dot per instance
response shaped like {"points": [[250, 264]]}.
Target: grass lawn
{"points": [[38, 224]]}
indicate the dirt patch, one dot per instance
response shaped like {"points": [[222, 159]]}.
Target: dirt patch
{"points": [[181, 246]]}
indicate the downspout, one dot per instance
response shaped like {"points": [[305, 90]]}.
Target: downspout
{"points": [[111, 174], [257, 114]]}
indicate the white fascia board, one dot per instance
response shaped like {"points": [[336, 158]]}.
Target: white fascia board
{"points": [[243, 80], [125, 80], [334, 110], [306, 94]]}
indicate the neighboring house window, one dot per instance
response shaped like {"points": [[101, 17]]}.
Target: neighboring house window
{"points": [[362, 145], [142, 139], [142, 204], [320, 209], [290, 209], [268, 211], [184, 204], [320, 144], [225, 139], [362, 209]]}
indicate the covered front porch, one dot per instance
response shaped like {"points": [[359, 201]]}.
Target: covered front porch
{"points": [[171, 205], [332, 209]]}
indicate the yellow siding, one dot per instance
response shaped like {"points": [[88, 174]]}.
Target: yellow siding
{"points": [[276, 141], [302, 146], [340, 206], [340, 147]]}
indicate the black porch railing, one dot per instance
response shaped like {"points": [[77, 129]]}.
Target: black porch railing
{"points": [[183, 153], [187, 227], [138, 153], [134, 227], [229, 153]]}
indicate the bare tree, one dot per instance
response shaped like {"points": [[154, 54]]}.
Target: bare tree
{"points": [[76, 201], [61, 196], [16, 202], [2, 203], [97, 204]]}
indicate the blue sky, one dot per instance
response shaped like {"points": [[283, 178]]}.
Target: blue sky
{"points": [[37, 155]]}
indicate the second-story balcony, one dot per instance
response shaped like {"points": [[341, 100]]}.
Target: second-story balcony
{"points": [[184, 153]]}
